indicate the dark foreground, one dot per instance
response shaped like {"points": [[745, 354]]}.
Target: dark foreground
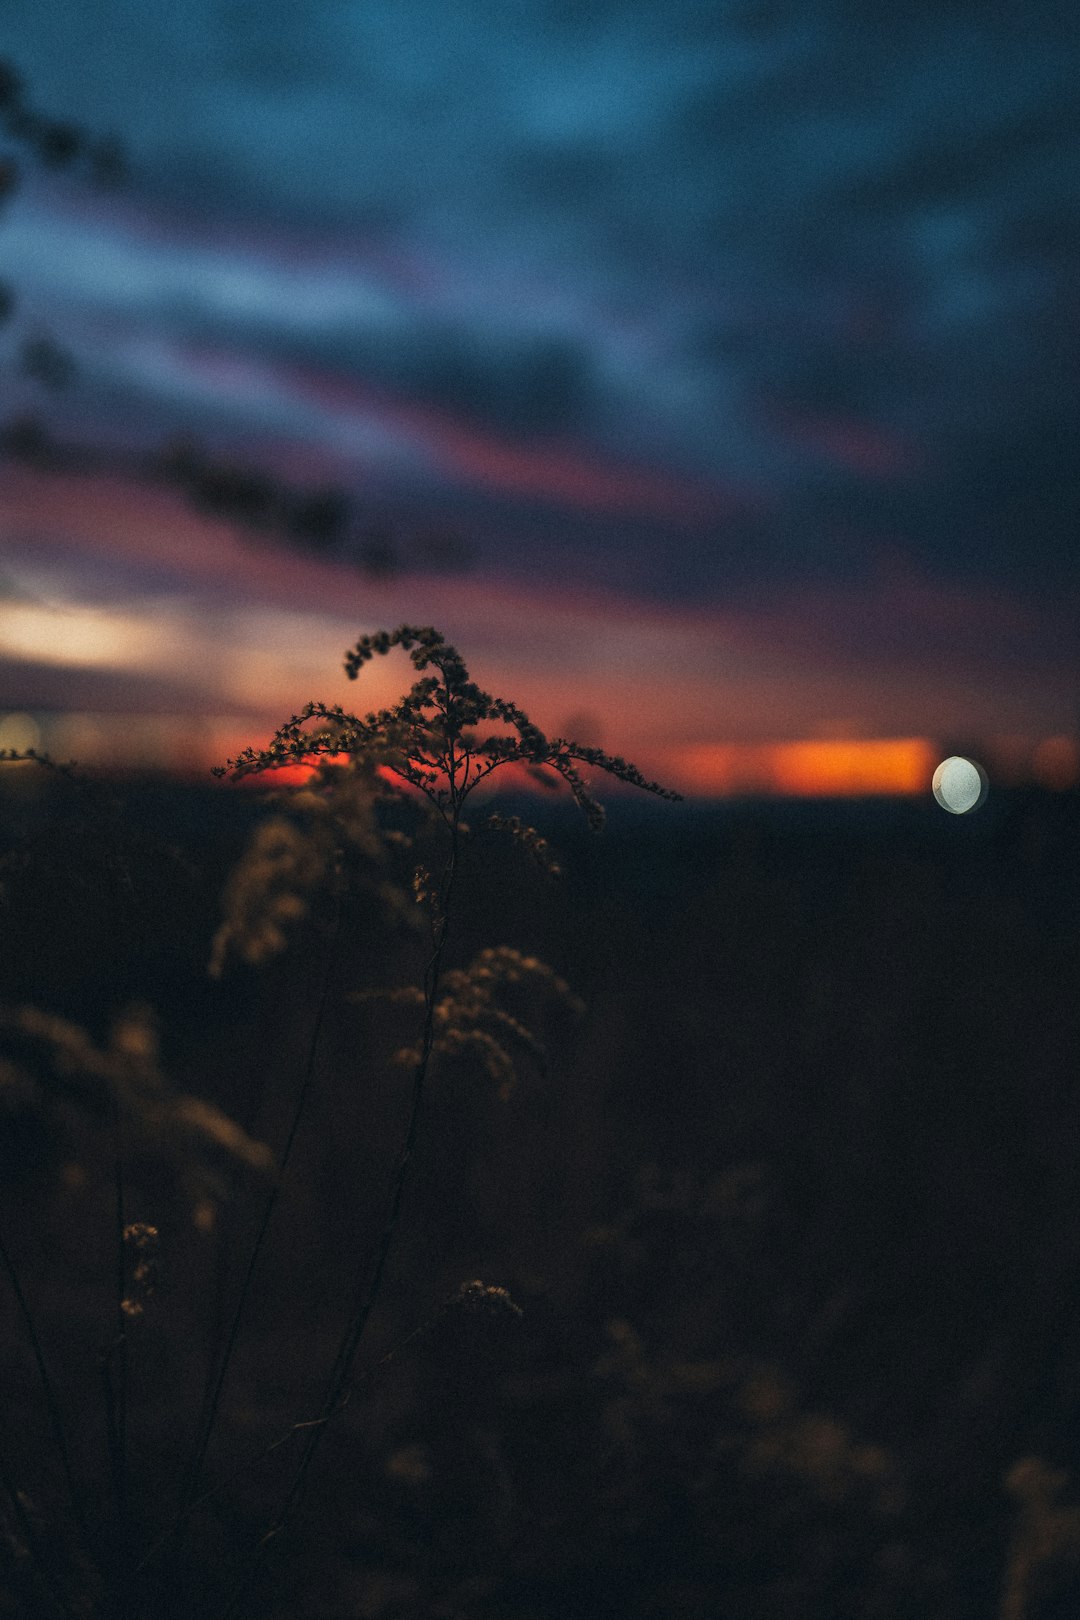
{"points": [[792, 1216]]}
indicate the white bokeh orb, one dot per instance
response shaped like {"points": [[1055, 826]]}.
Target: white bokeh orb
{"points": [[959, 785]]}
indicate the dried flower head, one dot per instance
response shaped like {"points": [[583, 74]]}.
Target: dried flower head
{"points": [[467, 1019], [141, 1248], [430, 740], [330, 832], [485, 1300], [267, 891], [529, 840]]}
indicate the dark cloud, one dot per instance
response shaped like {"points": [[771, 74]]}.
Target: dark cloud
{"points": [[966, 167], [276, 46], [562, 176], [517, 383], [826, 252]]}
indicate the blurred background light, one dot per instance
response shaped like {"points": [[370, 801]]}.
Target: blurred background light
{"points": [[959, 785]]}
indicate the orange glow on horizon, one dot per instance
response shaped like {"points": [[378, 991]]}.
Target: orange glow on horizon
{"points": [[186, 747], [216, 635], [834, 768], [818, 768], [508, 778]]}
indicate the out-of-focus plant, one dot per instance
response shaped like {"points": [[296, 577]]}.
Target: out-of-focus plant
{"points": [[1046, 1536], [60, 1066], [374, 836]]}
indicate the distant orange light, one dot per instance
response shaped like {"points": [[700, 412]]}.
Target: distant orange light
{"points": [[815, 768], [874, 765], [281, 776]]}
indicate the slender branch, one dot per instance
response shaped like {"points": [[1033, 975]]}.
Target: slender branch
{"points": [[210, 1415], [230, 1479], [120, 1482]]}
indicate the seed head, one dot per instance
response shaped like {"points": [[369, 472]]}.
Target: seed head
{"points": [[485, 1300]]}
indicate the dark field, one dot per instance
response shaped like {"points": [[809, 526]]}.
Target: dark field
{"points": [[792, 1215]]}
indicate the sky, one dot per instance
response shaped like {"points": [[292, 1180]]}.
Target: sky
{"points": [[707, 372]]}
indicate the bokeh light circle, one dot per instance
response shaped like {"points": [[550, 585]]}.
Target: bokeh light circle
{"points": [[959, 785]]}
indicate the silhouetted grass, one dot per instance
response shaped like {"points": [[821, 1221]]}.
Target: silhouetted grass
{"points": [[790, 1212]]}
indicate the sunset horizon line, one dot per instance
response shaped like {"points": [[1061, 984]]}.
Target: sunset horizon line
{"points": [[183, 747]]}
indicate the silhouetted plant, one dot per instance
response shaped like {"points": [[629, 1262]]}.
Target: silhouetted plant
{"points": [[429, 743], [377, 824]]}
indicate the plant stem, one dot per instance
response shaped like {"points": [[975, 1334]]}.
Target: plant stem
{"points": [[121, 1345], [211, 1407], [357, 1322]]}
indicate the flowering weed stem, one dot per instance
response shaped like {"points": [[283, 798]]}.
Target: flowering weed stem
{"points": [[214, 1400], [429, 742]]}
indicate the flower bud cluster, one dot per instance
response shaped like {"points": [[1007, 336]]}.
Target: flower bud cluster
{"points": [[469, 1019], [428, 740], [484, 1299], [141, 1243], [529, 839]]}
